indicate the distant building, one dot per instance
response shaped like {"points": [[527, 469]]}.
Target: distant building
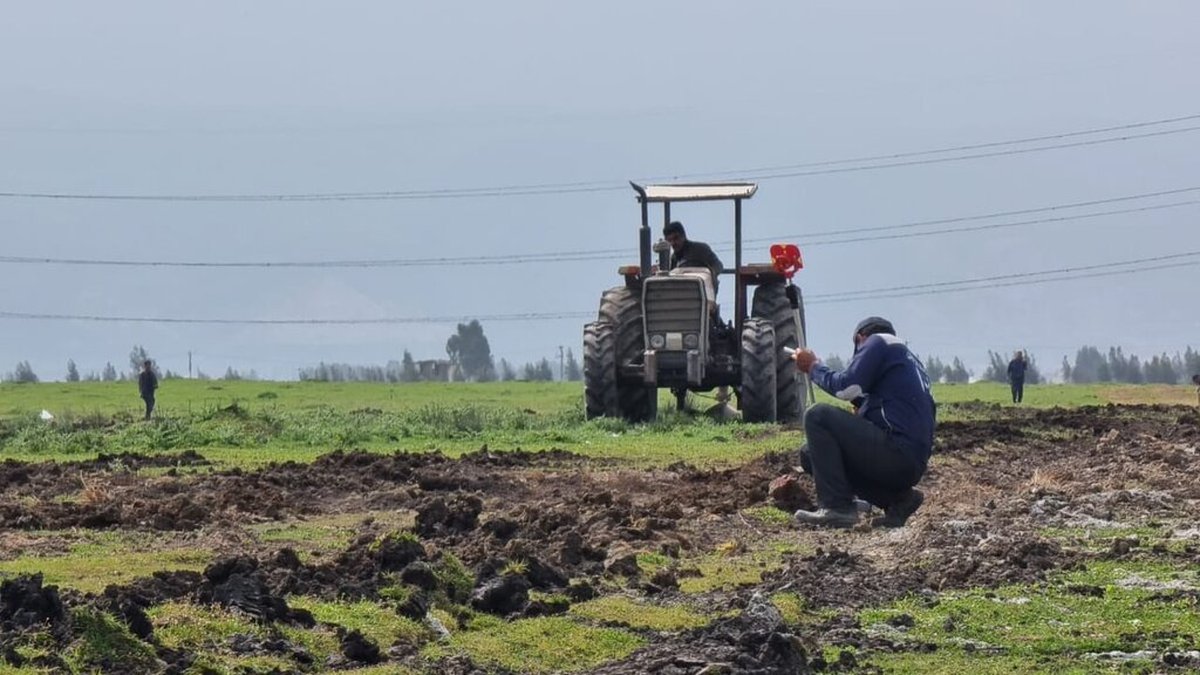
{"points": [[435, 370]]}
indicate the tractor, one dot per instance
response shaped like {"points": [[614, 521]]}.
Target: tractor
{"points": [[661, 329]]}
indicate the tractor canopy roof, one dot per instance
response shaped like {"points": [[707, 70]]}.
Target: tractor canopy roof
{"points": [[694, 192]]}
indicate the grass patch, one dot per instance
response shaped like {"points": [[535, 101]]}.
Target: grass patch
{"points": [[541, 645], [622, 610], [724, 570], [90, 567], [1101, 538], [382, 670], [183, 625], [327, 533], [1110, 606], [379, 624], [795, 610], [104, 643], [771, 515], [955, 661]]}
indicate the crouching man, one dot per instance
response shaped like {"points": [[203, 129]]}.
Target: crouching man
{"points": [[879, 452]]}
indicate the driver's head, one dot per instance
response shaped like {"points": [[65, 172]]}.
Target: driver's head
{"points": [[675, 235]]}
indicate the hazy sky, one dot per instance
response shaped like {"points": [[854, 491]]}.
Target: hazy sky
{"points": [[156, 98]]}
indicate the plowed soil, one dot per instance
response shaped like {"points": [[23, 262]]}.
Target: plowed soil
{"points": [[575, 526]]}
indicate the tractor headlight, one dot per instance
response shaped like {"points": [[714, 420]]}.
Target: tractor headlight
{"points": [[691, 340], [658, 341]]}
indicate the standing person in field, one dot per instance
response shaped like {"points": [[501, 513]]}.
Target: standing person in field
{"points": [[147, 383], [1016, 376], [879, 452]]}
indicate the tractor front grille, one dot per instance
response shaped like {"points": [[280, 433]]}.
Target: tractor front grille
{"points": [[673, 305]]}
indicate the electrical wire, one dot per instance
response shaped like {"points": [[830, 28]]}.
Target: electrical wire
{"points": [[1008, 277], [869, 163], [609, 254], [1133, 266]]}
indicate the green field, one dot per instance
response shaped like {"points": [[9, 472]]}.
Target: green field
{"points": [[250, 423]]}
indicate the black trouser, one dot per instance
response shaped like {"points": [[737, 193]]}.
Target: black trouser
{"points": [[149, 399], [849, 456], [1018, 389]]}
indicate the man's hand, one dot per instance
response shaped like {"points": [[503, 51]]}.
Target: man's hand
{"points": [[806, 359]]}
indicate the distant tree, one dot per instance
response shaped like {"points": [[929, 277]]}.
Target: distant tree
{"points": [[22, 374], [408, 368], [1133, 370], [1161, 370], [1191, 362], [72, 371], [1123, 368], [1066, 369], [201, 375], [539, 372], [507, 373], [231, 374], [138, 356], [469, 350], [171, 375], [573, 372], [392, 371], [1090, 366], [997, 370], [92, 376], [834, 362], [935, 369], [109, 374], [1033, 375], [958, 372]]}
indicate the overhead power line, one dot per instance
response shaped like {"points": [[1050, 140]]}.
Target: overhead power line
{"points": [[868, 163], [826, 238], [526, 316], [1123, 267], [988, 282]]}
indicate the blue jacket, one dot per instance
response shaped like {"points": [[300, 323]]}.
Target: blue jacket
{"points": [[894, 388]]}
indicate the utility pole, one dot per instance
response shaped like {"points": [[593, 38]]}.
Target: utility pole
{"points": [[189, 364], [560, 363]]}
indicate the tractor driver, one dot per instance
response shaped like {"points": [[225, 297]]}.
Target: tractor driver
{"points": [[688, 253]]}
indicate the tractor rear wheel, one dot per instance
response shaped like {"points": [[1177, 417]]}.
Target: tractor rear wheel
{"points": [[599, 370], [771, 304], [757, 393], [622, 308]]}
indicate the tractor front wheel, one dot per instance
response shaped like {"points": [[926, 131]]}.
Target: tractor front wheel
{"points": [[622, 308], [599, 370]]}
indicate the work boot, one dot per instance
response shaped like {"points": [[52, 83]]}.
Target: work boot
{"points": [[901, 510], [844, 518]]}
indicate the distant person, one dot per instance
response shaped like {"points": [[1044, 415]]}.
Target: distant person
{"points": [[688, 253], [147, 383], [1016, 376], [879, 452]]}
